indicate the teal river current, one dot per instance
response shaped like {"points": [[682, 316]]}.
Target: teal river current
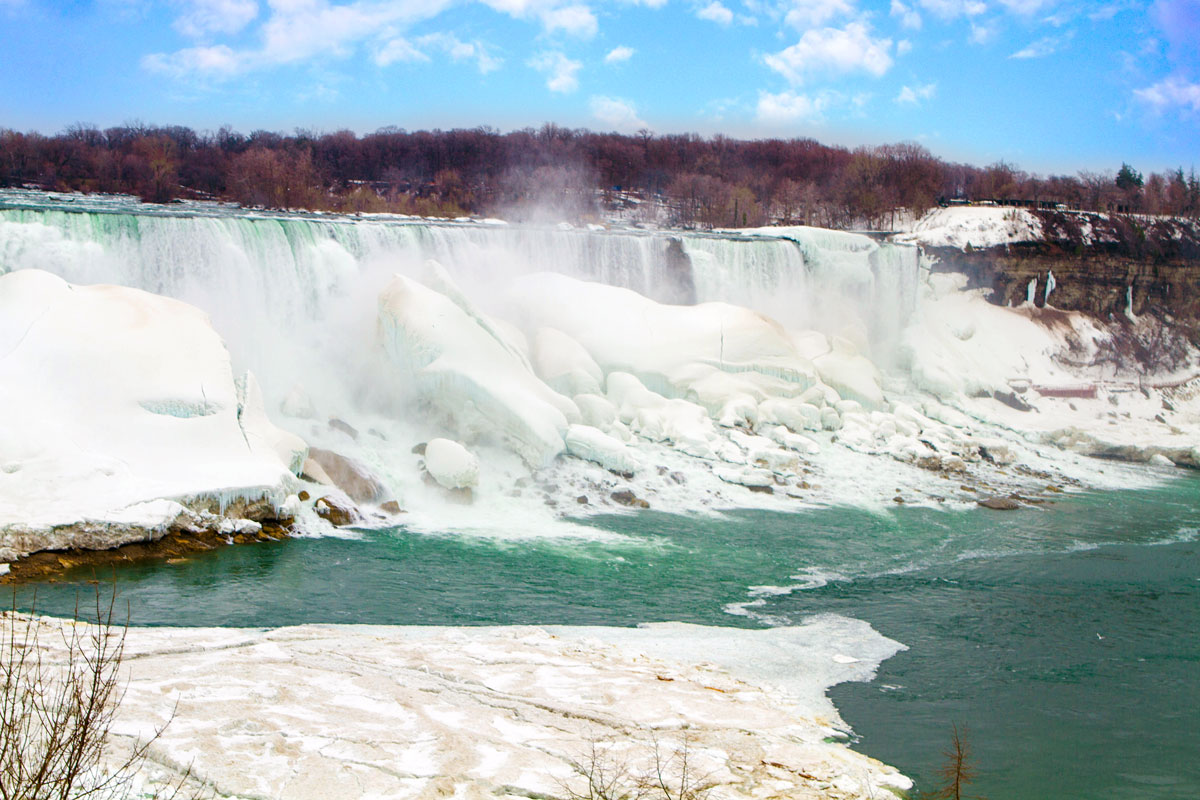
{"points": [[1065, 637]]}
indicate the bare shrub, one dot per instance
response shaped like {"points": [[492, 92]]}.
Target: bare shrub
{"points": [[669, 775], [57, 709]]}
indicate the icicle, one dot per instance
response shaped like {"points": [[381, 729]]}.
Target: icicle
{"points": [[1050, 285], [1031, 291]]}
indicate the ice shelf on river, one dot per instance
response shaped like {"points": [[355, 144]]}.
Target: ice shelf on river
{"points": [[322, 711]]}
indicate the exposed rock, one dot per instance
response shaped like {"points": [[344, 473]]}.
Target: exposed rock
{"points": [[419, 449], [345, 427], [391, 507], [1012, 400], [629, 499], [349, 475], [582, 500], [999, 503], [337, 511]]}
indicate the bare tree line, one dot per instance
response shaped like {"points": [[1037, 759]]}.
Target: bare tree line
{"points": [[702, 181]]}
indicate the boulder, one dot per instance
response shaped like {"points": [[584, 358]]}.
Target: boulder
{"points": [[349, 475]]}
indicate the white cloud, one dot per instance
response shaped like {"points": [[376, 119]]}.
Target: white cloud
{"points": [[619, 54], [1171, 93], [915, 95], [215, 16], [1046, 46], [715, 12], [647, 3], [575, 20], [1026, 7], [903, 47], [398, 49], [833, 50], [908, 16], [981, 33], [785, 107], [804, 14], [560, 71], [949, 9], [217, 61], [617, 114], [458, 50]]}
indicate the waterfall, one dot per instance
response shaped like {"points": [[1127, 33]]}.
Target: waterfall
{"points": [[277, 284]]}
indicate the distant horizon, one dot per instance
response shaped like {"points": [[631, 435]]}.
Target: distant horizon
{"points": [[1049, 86]]}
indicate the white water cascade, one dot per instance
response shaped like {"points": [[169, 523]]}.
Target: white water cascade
{"points": [[263, 277]]}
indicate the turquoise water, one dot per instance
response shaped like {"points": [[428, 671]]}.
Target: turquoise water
{"points": [[1066, 637]]}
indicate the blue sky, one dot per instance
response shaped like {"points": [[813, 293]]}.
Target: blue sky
{"points": [[1048, 85]]}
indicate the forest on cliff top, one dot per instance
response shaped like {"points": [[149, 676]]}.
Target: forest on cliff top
{"points": [[682, 179]]}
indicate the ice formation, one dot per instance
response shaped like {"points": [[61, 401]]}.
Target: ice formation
{"points": [[123, 413], [812, 367]]}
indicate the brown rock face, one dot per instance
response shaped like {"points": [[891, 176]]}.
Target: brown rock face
{"points": [[1095, 260], [350, 476], [1000, 503], [336, 511], [628, 498]]}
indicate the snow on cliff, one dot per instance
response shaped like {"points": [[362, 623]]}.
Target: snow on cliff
{"points": [[977, 226], [119, 405]]}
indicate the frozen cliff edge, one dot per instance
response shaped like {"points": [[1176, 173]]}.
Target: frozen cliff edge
{"points": [[501, 712], [123, 420]]}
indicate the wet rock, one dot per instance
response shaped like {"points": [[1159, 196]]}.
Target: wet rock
{"points": [[629, 499], [761, 489], [345, 427], [419, 449], [349, 475], [337, 511], [391, 507], [582, 500], [304, 496], [1012, 400], [999, 503]]}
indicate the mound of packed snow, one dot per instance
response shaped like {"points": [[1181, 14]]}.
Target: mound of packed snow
{"points": [[451, 464], [977, 226], [121, 409], [468, 375], [960, 344], [714, 354]]}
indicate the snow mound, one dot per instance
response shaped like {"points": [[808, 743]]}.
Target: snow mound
{"points": [[124, 402], [976, 226], [451, 464], [472, 379]]}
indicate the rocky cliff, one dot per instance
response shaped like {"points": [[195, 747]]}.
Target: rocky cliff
{"points": [[1105, 265]]}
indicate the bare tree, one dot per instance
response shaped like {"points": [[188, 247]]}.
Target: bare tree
{"points": [[958, 770], [57, 709]]}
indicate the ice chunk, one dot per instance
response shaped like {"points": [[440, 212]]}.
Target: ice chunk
{"points": [[590, 444]]}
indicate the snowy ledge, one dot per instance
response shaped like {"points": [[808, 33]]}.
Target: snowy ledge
{"points": [[374, 711]]}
